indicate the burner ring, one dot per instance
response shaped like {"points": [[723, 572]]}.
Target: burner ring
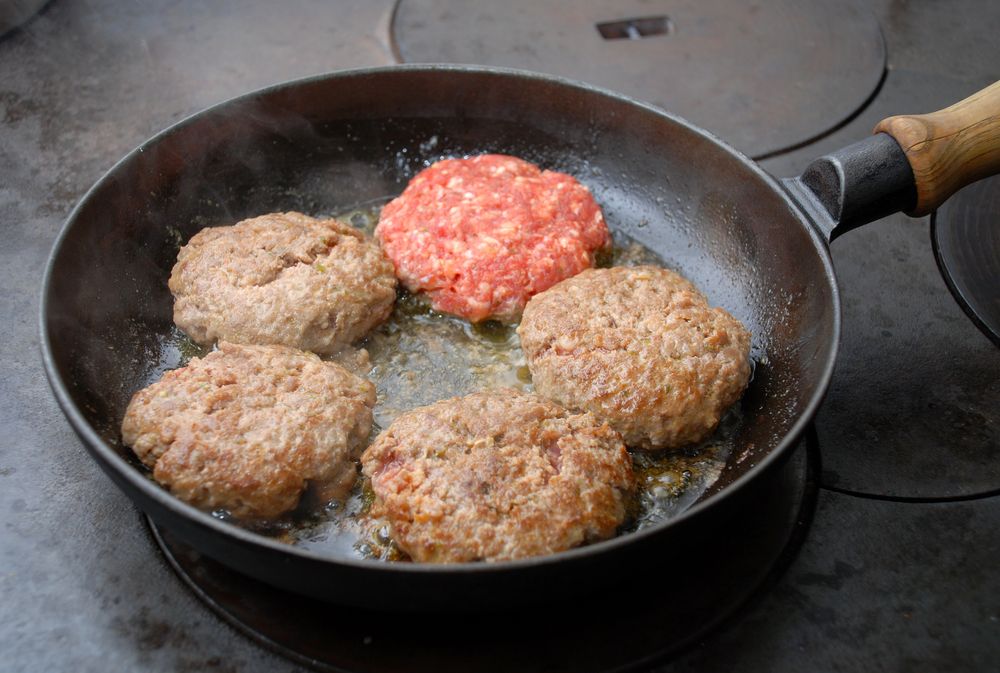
{"points": [[966, 242], [765, 77]]}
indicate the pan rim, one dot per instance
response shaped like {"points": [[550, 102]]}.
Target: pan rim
{"points": [[109, 459]]}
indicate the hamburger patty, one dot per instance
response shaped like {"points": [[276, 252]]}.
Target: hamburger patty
{"points": [[283, 278], [248, 428], [482, 235], [497, 475], [640, 348]]}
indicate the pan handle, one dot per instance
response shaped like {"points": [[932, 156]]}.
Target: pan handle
{"points": [[950, 148], [912, 163]]}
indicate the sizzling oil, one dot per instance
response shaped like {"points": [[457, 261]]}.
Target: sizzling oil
{"points": [[419, 356]]}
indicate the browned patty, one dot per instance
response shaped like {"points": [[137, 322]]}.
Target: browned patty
{"points": [[639, 348], [248, 428], [283, 278], [497, 475]]}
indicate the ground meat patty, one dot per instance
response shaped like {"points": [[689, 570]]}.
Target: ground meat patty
{"points": [[639, 348], [497, 475], [247, 428], [284, 278], [483, 235]]}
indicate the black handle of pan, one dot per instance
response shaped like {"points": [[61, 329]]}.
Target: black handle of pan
{"points": [[913, 163]]}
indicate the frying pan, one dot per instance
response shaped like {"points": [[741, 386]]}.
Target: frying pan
{"points": [[753, 244]]}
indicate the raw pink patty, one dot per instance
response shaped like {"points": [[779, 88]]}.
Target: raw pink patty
{"points": [[483, 235]]}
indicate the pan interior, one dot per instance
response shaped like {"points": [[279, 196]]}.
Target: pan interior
{"points": [[336, 144]]}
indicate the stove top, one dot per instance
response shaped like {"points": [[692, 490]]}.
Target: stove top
{"points": [[897, 570]]}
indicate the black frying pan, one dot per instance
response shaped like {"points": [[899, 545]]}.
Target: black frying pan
{"points": [[755, 245]]}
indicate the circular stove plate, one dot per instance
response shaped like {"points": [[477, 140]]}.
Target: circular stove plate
{"points": [[765, 77], [657, 616], [966, 235]]}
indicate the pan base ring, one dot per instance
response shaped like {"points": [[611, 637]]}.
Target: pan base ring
{"points": [[550, 638]]}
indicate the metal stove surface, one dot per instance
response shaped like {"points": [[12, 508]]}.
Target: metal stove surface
{"points": [[898, 570]]}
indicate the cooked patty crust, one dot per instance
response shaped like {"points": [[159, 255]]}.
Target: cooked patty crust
{"points": [[248, 428], [640, 348], [482, 235], [283, 278], [497, 475]]}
